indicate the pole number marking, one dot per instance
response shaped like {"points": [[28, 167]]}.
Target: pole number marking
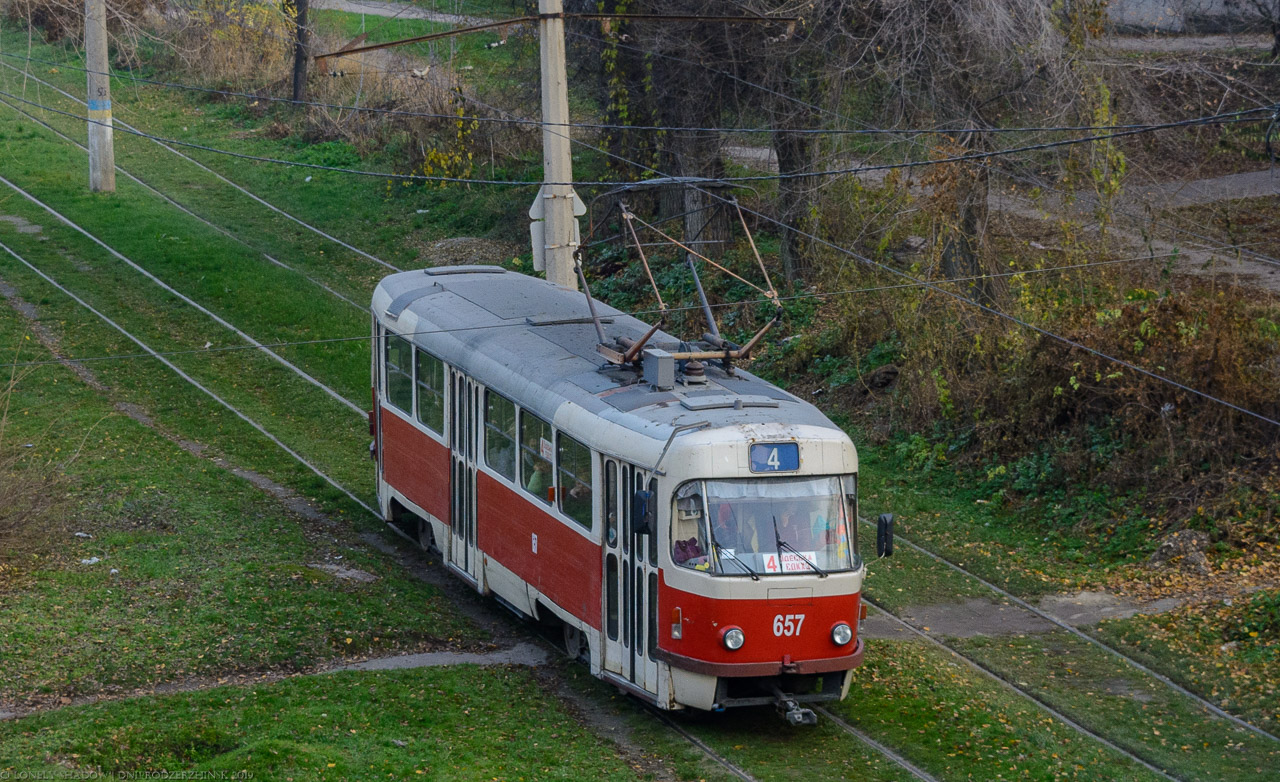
{"points": [[787, 625]]}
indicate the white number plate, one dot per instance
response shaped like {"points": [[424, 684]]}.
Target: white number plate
{"points": [[787, 624]]}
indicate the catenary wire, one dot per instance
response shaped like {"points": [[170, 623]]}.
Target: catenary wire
{"points": [[248, 193], [186, 299], [156, 355], [823, 110], [594, 125], [186, 210], [634, 313], [957, 298], [1231, 117]]}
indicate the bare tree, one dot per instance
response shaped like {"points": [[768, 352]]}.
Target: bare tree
{"points": [[693, 74], [970, 64], [1264, 13]]}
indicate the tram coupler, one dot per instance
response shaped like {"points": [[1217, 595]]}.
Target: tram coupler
{"points": [[793, 712]]}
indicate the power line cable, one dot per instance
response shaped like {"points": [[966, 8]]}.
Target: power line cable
{"points": [[155, 354], [186, 210], [634, 313], [957, 297], [122, 125], [593, 125], [183, 297]]}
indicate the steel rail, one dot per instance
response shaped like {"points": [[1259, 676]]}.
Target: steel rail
{"points": [[1044, 705], [181, 207], [724, 762], [1052, 619], [906, 765], [259, 427], [188, 300], [219, 176]]}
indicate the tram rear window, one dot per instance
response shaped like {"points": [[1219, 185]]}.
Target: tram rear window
{"points": [[500, 435], [399, 358], [777, 526]]}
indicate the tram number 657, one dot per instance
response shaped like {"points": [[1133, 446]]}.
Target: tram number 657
{"points": [[787, 625]]}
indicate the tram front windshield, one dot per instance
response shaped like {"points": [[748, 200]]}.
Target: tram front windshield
{"points": [[775, 526]]}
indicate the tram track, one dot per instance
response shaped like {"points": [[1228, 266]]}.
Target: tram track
{"points": [[706, 749], [684, 733], [728, 765], [702, 746], [995, 676], [189, 379], [1076, 632], [180, 206], [243, 190], [884, 751], [187, 299]]}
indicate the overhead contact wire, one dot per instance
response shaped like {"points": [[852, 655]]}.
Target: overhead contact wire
{"points": [[188, 300], [156, 355]]}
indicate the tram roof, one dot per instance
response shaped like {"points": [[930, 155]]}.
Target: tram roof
{"points": [[534, 342]]}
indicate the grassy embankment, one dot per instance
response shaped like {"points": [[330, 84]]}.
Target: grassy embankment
{"points": [[968, 727]]}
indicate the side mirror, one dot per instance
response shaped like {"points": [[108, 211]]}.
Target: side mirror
{"points": [[884, 535], [642, 513]]}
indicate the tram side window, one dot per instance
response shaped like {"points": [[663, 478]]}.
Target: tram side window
{"points": [[399, 373], [535, 457], [688, 530], [430, 391], [500, 435], [574, 460]]}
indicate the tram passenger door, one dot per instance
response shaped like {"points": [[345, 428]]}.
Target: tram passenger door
{"points": [[462, 501], [630, 579]]}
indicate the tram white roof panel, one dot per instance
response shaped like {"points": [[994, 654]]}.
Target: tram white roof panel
{"points": [[534, 341]]}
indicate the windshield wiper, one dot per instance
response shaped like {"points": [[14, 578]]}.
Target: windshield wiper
{"points": [[780, 543], [734, 559]]}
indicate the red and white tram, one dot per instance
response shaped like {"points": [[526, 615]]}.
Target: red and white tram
{"points": [[693, 527]]}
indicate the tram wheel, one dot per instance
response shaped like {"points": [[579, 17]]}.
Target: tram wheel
{"points": [[576, 646]]}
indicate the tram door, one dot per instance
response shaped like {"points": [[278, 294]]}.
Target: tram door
{"points": [[630, 579], [462, 501]]}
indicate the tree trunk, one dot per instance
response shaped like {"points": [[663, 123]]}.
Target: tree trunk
{"points": [[795, 203], [962, 252], [1275, 39]]}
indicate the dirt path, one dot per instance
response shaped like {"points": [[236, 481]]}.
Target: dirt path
{"points": [[1184, 43]]}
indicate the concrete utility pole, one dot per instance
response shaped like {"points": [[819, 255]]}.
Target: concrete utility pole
{"points": [[102, 156], [555, 230], [300, 54]]}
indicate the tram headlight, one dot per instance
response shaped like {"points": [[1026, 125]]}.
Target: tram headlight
{"points": [[842, 634], [732, 638]]}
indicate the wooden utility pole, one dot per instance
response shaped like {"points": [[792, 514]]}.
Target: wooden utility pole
{"points": [[300, 54], [555, 230], [102, 158]]}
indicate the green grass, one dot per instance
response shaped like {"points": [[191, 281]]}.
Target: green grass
{"points": [[940, 511], [953, 721], [457, 723], [1191, 647], [1134, 711], [198, 593], [213, 574]]}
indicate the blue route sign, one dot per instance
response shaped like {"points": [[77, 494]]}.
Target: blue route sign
{"points": [[775, 457]]}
